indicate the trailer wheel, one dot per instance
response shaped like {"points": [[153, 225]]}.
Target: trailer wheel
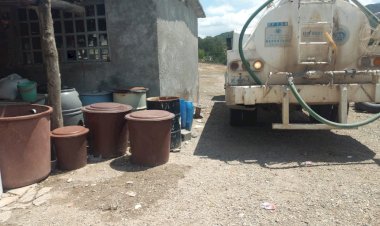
{"points": [[367, 107], [242, 117]]}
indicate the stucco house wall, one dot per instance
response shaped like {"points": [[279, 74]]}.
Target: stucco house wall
{"points": [[177, 32]]}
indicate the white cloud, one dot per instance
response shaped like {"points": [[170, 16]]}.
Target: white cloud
{"points": [[218, 23], [366, 2], [219, 10], [225, 17]]}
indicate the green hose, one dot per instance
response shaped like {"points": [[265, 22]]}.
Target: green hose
{"points": [[245, 62], [323, 120]]}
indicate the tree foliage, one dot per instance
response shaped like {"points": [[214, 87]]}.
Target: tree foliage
{"points": [[212, 49]]}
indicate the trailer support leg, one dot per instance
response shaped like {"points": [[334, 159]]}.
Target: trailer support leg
{"points": [[285, 107], [343, 104]]}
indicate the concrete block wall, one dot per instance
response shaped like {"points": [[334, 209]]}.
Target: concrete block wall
{"points": [[177, 31]]}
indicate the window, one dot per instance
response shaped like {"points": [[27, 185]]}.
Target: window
{"points": [[30, 36], [77, 38]]}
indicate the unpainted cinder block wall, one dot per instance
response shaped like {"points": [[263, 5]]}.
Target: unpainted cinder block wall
{"points": [[177, 31]]}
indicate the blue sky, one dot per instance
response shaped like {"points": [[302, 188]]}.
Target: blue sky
{"points": [[228, 15]]}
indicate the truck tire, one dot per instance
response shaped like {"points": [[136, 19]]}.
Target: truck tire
{"points": [[367, 107], [242, 117]]}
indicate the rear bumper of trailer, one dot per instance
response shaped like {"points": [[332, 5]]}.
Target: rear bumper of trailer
{"points": [[341, 94]]}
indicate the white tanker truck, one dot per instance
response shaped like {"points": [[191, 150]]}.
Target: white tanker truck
{"points": [[305, 56]]}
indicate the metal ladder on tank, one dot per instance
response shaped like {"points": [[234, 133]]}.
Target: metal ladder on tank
{"points": [[324, 42]]}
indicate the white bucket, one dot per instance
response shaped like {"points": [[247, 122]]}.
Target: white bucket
{"points": [[136, 97]]}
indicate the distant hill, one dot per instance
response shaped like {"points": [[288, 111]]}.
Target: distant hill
{"points": [[225, 35], [375, 8]]}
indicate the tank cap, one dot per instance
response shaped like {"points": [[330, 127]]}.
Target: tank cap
{"points": [[69, 131], [150, 115]]}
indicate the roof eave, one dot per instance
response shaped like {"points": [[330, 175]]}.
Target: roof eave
{"points": [[197, 7]]}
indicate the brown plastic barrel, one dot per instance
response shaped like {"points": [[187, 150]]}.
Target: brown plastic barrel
{"points": [[24, 144], [71, 147], [108, 128], [149, 134]]}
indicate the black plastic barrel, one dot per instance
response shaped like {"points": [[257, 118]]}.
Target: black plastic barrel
{"points": [[170, 104]]}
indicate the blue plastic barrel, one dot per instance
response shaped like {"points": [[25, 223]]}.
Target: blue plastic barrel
{"points": [[95, 97], [189, 114], [183, 113]]}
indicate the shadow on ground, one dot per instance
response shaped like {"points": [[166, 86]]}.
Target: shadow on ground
{"points": [[219, 98], [124, 164], [263, 146]]}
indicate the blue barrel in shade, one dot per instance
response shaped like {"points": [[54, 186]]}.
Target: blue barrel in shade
{"points": [[88, 98], [183, 113], [189, 114]]}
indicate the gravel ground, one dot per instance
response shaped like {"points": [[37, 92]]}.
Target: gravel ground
{"points": [[223, 176]]}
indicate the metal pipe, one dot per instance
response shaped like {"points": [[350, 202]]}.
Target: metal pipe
{"points": [[331, 73]]}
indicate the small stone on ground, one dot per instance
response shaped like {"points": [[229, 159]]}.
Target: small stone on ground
{"points": [[28, 196], [4, 216], [41, 200], [21, 191], [43, 191], [7, 200]]}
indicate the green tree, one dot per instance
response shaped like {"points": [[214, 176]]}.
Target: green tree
{"points": [[201, 54], [213, 49]]}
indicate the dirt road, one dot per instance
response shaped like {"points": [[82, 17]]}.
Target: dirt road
{"points": [[222, 177]]}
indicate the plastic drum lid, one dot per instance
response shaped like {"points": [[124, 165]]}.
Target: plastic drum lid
{"points": [[163, 99], [95, 93], [69, 131], [150, 115], [107, 108], [138, 90], [132, 90]]}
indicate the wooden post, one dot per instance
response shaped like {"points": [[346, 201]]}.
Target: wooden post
{"points": [[51, 65]]}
